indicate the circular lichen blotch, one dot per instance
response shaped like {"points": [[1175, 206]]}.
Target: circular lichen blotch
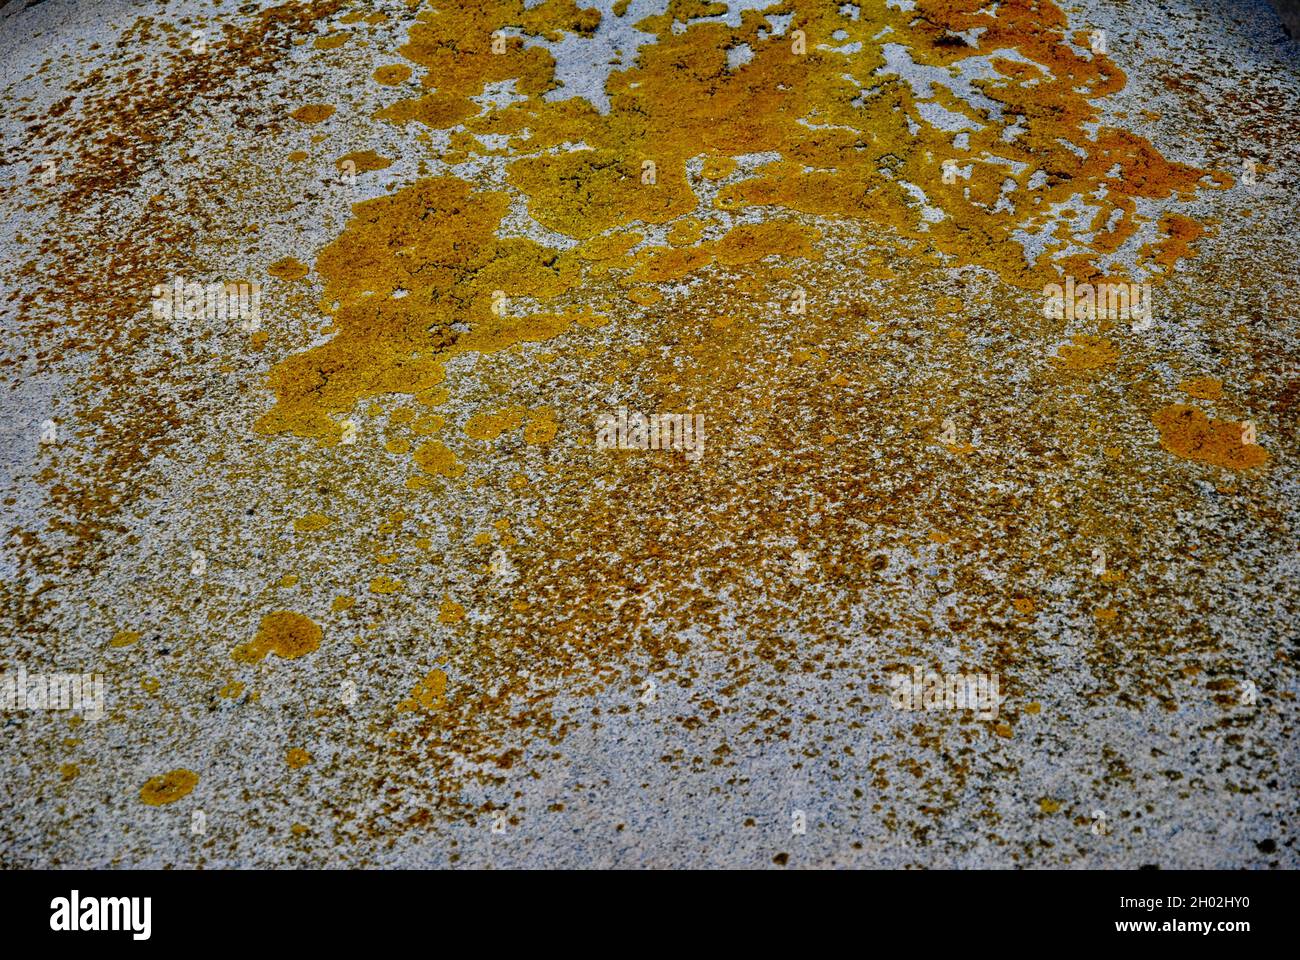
{"points": [[168, 787]]}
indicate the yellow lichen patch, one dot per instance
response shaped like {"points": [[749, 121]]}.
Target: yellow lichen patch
{"points": [[284, 633], [288, 268], [1180, 233], [450, 612], [686, 231], [1086, 353], [614, 191], [342, 602], [168, 787], [392, 75], [429, 694], [313, 112], [387, 345], [69, 771], [436, 459], [313, 522], [385, 585], [332, 41], [1188, 433], [297, 758], [1202, 388], [233, 690], [1023, 605], [752, 242], [541, 427], [298, 156], [489, 426], [1048, 805], [124, 638], [645, 296], [362, 161]]}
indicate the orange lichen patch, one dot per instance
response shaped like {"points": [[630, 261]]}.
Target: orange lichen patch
{"points": [[752, 242], [313, 522], [489, 426], [436, 459], [392, 75], [313, 113], [342, 602], [451, 274], [1105, 614], [1086, 353], [124, 638], [1023, 605], [288, 268], [498, 333], [1180, 233], [644, 296], [385, 585], [332, 41], [686, 231], [1202, 388], [450, 612], [541, 427], [658, 265], [168, 787], [298, 156], [1188, 433], [429, 694], [362, 161], [284, 633], [613, 191], [297, 758], [434, 110]]}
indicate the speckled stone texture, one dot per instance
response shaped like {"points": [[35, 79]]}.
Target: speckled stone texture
{"points": [[364, 585]]}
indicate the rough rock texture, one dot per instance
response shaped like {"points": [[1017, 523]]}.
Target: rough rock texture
{"points": [[328, 329]]}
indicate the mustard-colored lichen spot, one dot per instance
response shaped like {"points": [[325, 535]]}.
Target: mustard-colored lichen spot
{"points": [[1086, 353], [362, 161], [284, 633], [1203, 388], [313, 522], [124, 638], [289, 268], [429, 694], [297, 758], [392, 75], [436, 459], [168, 787], [332, 41], [313, 113], [450, 612], [1186, 432]]}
